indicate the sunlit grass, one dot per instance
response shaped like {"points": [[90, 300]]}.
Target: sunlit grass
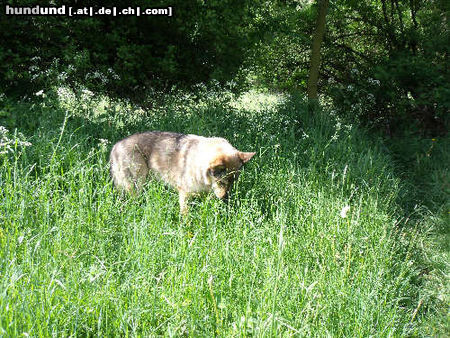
{"points": [[280, 259]]}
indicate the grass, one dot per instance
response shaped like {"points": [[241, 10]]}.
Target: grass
{"points": [[279, 260]]}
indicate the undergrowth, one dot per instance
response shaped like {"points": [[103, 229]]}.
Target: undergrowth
{"points": [[324, 233]]}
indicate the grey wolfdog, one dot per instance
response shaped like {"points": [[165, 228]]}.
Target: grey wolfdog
{"points": [[192, 164]]}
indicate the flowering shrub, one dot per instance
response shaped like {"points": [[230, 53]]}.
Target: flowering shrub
{"points": [[10, 143]]}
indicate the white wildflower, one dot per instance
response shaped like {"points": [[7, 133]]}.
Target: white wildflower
{"points": [[87, 92], [103, 141], [344, 211]]}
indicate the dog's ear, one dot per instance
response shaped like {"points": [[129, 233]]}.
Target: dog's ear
{"points": [[245, 157]]}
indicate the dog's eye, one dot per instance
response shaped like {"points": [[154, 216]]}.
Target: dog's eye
{"points": [[219, 171]]}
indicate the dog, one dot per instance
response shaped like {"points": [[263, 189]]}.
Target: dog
{"points": [[192, 164]]}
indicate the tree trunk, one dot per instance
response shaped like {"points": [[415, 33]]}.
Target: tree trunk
{"points": [[315, 49]]}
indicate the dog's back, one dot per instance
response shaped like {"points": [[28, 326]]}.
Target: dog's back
{"points": [[133, 157]]}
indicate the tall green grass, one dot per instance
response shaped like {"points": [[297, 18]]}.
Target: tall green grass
{"points": [[283, 258]]}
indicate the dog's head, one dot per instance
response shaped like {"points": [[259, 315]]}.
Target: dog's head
{"points": [[225, 168]]}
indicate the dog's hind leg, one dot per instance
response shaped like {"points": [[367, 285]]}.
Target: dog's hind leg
{"points": [[128, 170]]}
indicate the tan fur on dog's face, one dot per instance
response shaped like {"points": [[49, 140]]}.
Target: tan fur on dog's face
{"points": [[224, 170]]}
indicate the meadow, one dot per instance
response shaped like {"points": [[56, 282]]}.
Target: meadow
{"points": [[330, 231]]}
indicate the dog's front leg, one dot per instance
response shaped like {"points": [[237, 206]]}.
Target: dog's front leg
{"points": [[183, 202]]}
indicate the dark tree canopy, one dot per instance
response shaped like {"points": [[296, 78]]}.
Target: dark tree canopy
{"points": [[382, 62], [126, 55]]}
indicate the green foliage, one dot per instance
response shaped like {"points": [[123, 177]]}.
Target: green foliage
{"points": [[387, 66], [23, 114], [283, 258], [280, 58], [124, 56], [384, 63]]}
